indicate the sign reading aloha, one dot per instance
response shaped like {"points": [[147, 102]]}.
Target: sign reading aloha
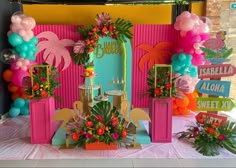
{"points": [[214, 87], [214, 104], [216, 71]]}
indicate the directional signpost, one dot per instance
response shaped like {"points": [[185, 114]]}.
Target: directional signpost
{"points": [[214, 104], [216, 71], [214, 87], [216, 53]]}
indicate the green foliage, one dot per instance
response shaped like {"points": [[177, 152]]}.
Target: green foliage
{"points": [[123, 27], [42, 87], [103, 125], [222, 53], [208, 138]]}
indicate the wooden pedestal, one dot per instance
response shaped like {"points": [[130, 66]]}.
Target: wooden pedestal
{"points": [[42, 126], [160, 128]]}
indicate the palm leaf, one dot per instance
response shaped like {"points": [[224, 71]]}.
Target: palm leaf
{"points": [[209, 53], [123, 27], [227, 53]]}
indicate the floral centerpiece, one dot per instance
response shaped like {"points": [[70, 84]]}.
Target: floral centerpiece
{"points": [[42, 82], [91, 34], [209, 137], [160, 82], [105, 124]]}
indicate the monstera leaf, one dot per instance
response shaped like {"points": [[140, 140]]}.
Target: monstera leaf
{"points": [[123, 27], [106, 110]]}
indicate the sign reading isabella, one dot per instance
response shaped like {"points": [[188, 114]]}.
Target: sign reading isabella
{"points": [[216, 71]]}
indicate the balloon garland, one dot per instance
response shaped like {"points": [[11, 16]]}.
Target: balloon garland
{"points": [[20, 57], [193, 32]]}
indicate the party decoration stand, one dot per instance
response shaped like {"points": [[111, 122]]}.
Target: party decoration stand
{"points": [[42, 126], [161, 115], [160, 108], [40, 86]]}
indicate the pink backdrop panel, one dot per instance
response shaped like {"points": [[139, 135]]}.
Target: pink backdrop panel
{"points": [[150, 35], [69, 77]]}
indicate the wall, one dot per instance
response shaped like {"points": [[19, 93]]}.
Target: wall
{"points": [[84, 14]]}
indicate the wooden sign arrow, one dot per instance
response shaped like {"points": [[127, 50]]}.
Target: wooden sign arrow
{"points": [[210, 118], [214, 104], [214, 87], [216, 71]]}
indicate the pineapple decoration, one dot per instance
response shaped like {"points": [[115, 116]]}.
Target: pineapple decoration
{"points": [[89, 70]]}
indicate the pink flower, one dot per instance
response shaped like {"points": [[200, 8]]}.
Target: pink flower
{"points": [[99, 118], [115, 135], [79, 47], [88, 136], [221, 137], [112, 36], [103, 18], [43, 79]]}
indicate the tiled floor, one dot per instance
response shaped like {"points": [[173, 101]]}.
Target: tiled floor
{"points": [[121, 163]]}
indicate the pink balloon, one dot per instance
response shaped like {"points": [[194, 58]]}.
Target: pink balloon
{"points": [[186, 24], [185, 14], [22, 32], [15, 19], [18, 76], [15, 27], [28, 23]]}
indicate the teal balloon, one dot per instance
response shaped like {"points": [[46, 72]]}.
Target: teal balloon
{"points": [[26, 102], [182, 57], [22, 54], [34, 40], [176, 67], [14, 111], [24, 111], [31, 57], [34, 49], [24, 47], [15, 39], [19, 102]]}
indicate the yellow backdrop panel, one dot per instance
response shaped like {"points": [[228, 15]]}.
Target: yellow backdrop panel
{"points": [[85, 14]]}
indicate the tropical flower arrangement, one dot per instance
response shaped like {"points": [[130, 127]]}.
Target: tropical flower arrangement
{"points": [[105, 124], [44, 81], [164, 86], [91, 34], [209, 137]]}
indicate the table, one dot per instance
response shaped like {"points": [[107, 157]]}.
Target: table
{"points": [[117, 96]]}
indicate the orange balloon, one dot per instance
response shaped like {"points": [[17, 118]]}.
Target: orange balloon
{"points": [[183, 111], [7, 75], [12, 88], [182, 102], [176, 111], [15, 95]]}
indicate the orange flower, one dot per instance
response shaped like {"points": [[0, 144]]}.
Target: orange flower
{"points": [[117, 31], [44, 93], [158, 91], [95, 29], [124, 133], [88, 42], [210, 131], [90, 50], [75, 136], [168, 86], [89, 124], [104, 29], [36, 87], [100, 131]]}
